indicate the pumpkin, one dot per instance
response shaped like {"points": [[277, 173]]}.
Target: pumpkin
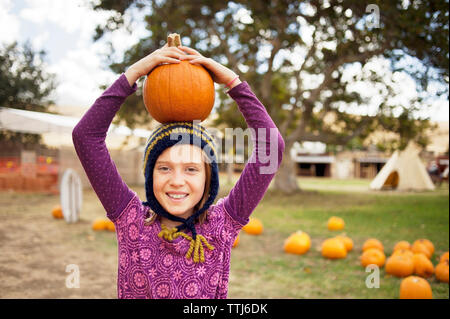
{"points": [[414, 287], [110, 226], [373, 256], [441, 271], [443, 257], [298, 243], [178, 91], [421, 248], [403, 252], [373, 243], [253, 227], [100, 224], [399, 266], [333, 248], [236, 241], [427, 243], [335, 223], [403, 244], [348, 242], [57, 212], [422, 266]]}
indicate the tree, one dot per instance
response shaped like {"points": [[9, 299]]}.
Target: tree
{"points": [[297, 55], [25, 85]]}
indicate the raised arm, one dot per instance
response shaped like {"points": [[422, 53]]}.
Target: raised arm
{"points": [[267, 140], [268, 148], [90, 133], [89, 140]]}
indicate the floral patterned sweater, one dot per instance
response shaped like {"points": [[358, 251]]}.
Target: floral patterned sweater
{"points": [[151, 267]]}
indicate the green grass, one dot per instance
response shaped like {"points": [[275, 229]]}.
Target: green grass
{"points": [[260, 268]]}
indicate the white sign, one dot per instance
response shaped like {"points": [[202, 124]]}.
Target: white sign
{"points": [[71, 195]]}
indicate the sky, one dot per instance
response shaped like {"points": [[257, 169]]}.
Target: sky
{"points": [[64, 29]]}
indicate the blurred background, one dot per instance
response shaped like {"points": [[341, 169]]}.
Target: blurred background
{"points": [[358, 89]]}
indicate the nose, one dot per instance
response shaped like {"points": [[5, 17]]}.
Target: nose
{"points": [[177, 178]]}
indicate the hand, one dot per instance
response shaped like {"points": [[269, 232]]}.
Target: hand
{"points": [[145, 65], [219, 73]]}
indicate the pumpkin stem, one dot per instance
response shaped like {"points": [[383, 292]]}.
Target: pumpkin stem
{"points": [[173, 40]]}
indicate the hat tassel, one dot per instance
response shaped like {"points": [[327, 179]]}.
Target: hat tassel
{"points": [[196, 245]]}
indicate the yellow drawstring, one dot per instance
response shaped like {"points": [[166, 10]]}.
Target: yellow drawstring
{"points": [[196, 245]]}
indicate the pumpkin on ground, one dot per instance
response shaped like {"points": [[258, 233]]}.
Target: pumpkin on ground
{"points": [[422, 266], [236, 241], [110, 226], [443, 257], [414, 287], [335, 223], [178, 91], [253, 227], [348, 242], [100, 224], [373, 256], [57, 212], [421, 248], [441, 271], [298, 243], [399, 266], [403, 252], [403, 244], [334, 249], [427, 243], [373, 243]]}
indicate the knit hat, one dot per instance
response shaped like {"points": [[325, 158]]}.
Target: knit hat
{"points": [[163, 137]]}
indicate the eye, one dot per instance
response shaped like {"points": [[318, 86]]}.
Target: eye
{"points": [[192, 169], [163, 168]]}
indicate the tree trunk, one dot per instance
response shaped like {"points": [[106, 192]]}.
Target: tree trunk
{"points": [[285, 179]]}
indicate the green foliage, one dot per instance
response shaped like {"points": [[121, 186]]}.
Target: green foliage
{"points": [[24, 84], [294, 54]]}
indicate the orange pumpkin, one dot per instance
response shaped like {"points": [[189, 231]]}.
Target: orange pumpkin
{"points": [[57, 212], [334, 249], [403, 244], [110, 226], [403, 252], [100, 224], [442, 271], [236, 241], [444, 257], [178, 91], [422, 266], [253, 227], [414, 287], [421, 248], [373, 256], [373, 243], [399, 266], [335, 223], [298, 243], [348, 242], [428, 244]]}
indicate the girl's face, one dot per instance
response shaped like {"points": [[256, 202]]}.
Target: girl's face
{"points": [[179, 179]]}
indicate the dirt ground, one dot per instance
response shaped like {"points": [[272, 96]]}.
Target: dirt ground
{"points": [[36, 249]]}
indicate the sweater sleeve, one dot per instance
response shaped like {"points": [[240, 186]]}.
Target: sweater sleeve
{"points": [[89, 140], [268, 148]]}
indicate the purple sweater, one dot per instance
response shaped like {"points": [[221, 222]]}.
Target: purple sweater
{"points": [[151, 267]]}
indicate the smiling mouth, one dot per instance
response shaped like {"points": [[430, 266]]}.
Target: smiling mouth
{"points": [[177, 196]]}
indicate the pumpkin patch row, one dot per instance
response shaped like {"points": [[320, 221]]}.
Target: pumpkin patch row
{"points": [[410, 262], [103, 224]]}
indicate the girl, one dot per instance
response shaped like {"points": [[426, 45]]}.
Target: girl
{"points": [[177, 244]]}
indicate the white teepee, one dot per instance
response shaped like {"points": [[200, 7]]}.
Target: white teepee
{"points": [[403, 171]]}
